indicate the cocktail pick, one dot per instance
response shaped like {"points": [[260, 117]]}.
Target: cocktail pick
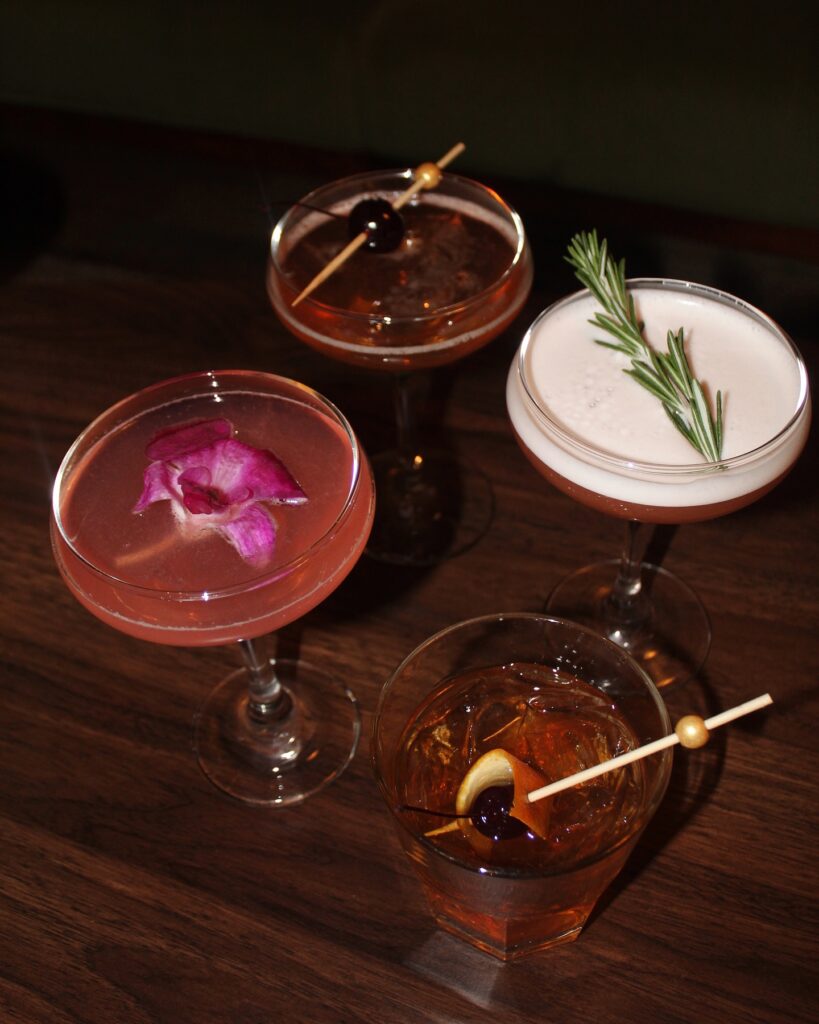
{"points": [[426, 175], [690, 731]]}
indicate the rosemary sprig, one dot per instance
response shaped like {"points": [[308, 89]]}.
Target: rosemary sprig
{"points": [[666, 375]]}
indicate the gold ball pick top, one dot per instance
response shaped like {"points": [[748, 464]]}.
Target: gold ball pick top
{"points": [[691, 731], [425, 176]]}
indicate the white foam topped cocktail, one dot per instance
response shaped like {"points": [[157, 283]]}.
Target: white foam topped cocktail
{"points": [[607, 442]]}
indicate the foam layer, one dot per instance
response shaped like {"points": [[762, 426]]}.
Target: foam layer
{"points": [[576, 411]]}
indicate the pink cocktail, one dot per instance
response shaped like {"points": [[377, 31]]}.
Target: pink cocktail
{"points": [[216, 508]]}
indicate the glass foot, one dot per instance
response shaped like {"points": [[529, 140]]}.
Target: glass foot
{"points": [[429, 507], [286, 760], [666, 631]]}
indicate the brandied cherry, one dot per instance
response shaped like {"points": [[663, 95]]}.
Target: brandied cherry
{"points": [[490, 814], [383, 226]]}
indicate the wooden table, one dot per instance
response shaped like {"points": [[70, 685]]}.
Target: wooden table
{"points": [[131, 891]]}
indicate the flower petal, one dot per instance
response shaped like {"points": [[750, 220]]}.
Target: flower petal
{"points": [[157, 485], [252, 533], [198, 495], [178, 441], [242, 472]]}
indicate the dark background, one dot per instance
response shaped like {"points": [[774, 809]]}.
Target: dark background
{"points": [[702, 106]]}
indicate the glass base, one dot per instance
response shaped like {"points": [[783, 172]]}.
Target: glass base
{"points": [[284, 761], [429, 507], [500, 949], [667, 632]]}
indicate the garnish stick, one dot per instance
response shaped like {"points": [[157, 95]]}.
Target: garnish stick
{"points": [[690, 731]]}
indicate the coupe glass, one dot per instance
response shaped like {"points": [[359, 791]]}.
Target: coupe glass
{"points": [[557, 393], [178, 547], [459, 277]]}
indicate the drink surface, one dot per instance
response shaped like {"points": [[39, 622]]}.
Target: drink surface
{"points": [[582, 389], [458, 278], [554, 723], [447, 256], [146, 549], [147, 574]]}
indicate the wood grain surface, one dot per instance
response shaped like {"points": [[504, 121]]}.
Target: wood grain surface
{"points": [[131, 891]]}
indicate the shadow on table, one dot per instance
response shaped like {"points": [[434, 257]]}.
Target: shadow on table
{"points": [[695, 775]]}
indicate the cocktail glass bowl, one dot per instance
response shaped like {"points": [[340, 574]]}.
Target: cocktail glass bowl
{"points": [[400, 318], [277, 730]]}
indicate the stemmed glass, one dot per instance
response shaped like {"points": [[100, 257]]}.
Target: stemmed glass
{"points": [[459, 276], [604, 441], [215, 508]]}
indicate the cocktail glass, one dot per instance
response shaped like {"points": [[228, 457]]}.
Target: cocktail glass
{"points": [[564, 397], [555, 698], [459, 277], [178, 547]]}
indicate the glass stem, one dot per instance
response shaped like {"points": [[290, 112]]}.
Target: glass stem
{"points": [[268, 701], [407, 432], [627, 601]]}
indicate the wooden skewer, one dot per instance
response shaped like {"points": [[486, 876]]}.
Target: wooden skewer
{"points": [[332, 266], [423, 179], [691, 731]]}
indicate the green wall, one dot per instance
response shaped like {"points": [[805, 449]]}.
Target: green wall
{"points": [[705, 106]]}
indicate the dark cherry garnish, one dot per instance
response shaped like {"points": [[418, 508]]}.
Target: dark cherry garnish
{"points": [[383, 226], [490, 814]]}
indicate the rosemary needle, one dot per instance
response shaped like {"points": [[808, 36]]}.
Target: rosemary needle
{"points": [[667, 375]]}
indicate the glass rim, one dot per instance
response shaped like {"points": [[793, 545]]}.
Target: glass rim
{"points": [[510, 214], [516, 616], [616, 462], [252, 582]]}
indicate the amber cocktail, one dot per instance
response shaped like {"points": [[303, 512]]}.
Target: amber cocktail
{"points": [[458, 276], [545, 698]]}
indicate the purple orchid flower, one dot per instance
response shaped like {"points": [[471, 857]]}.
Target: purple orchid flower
{"points": [[216, 482]]}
